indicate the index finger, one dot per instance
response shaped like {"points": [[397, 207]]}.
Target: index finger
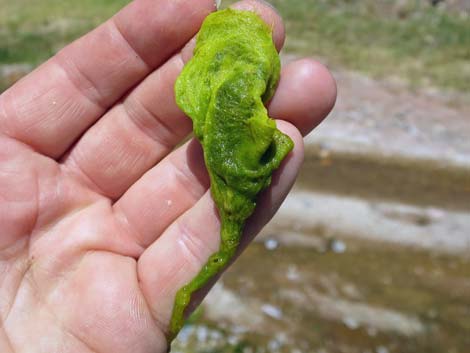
{"points": [[55, 104]]}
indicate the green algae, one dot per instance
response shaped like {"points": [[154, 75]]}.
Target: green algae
{"points": [[223, 89]]}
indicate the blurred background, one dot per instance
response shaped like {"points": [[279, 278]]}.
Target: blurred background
{"points": [[371, 251]]}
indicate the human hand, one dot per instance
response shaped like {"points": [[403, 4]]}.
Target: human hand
{"points": [[102, 220]]}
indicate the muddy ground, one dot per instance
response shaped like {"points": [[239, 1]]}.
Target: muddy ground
{"points": [[371, 251]]}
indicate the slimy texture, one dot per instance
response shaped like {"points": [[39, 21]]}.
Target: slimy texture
{"points": [[223, 89]]}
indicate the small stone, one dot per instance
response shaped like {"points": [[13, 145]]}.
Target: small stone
{"points": [[185, 334], [272, 311], [338, 246], [324, 154], [238, 330], [216, 336], [351, 323], [292, 273], [271, 244], [382, 349], [274, 346], [232, 340], [202, 334]]}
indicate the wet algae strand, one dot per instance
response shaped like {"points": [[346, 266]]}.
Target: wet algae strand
{"points": [[223, 90]]}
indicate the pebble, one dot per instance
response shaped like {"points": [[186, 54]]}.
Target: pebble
{"points": [[274, 346], [382, 349], [185, 333], [351, 323], [202, 334], [272, 311], [233, 340], [338, 246], [292, 273], [271, 244]]}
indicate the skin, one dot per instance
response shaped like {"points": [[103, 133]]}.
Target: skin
{"points": [[102, 220], [233, 73]]}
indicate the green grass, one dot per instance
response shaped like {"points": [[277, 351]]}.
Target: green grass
{"points": [[28, 14], [33, 30], [422, 45]]}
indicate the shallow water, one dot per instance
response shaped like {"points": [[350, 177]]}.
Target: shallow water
{"points": [[369, 298], [380, 267], [371, 251]]}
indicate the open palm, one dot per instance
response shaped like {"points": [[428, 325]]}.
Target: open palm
{"points": [[102, 219]]}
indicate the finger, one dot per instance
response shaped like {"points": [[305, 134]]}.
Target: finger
{"points": [[269, 15], [163, 194], [263, 9], [183, 249], [52, 106], [132, 137], [306, 94], [144, 128]]}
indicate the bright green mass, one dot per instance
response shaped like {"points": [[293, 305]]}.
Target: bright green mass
{"points": [[223, 89]]}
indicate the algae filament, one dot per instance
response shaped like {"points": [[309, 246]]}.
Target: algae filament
{"points": [[223, 89]]}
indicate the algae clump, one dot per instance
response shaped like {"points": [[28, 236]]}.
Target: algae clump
{"points": [[223, 89]]}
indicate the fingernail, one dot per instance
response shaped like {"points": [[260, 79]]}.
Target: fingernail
{"points": [[217, 4], [252, 5], [267, 3]]}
